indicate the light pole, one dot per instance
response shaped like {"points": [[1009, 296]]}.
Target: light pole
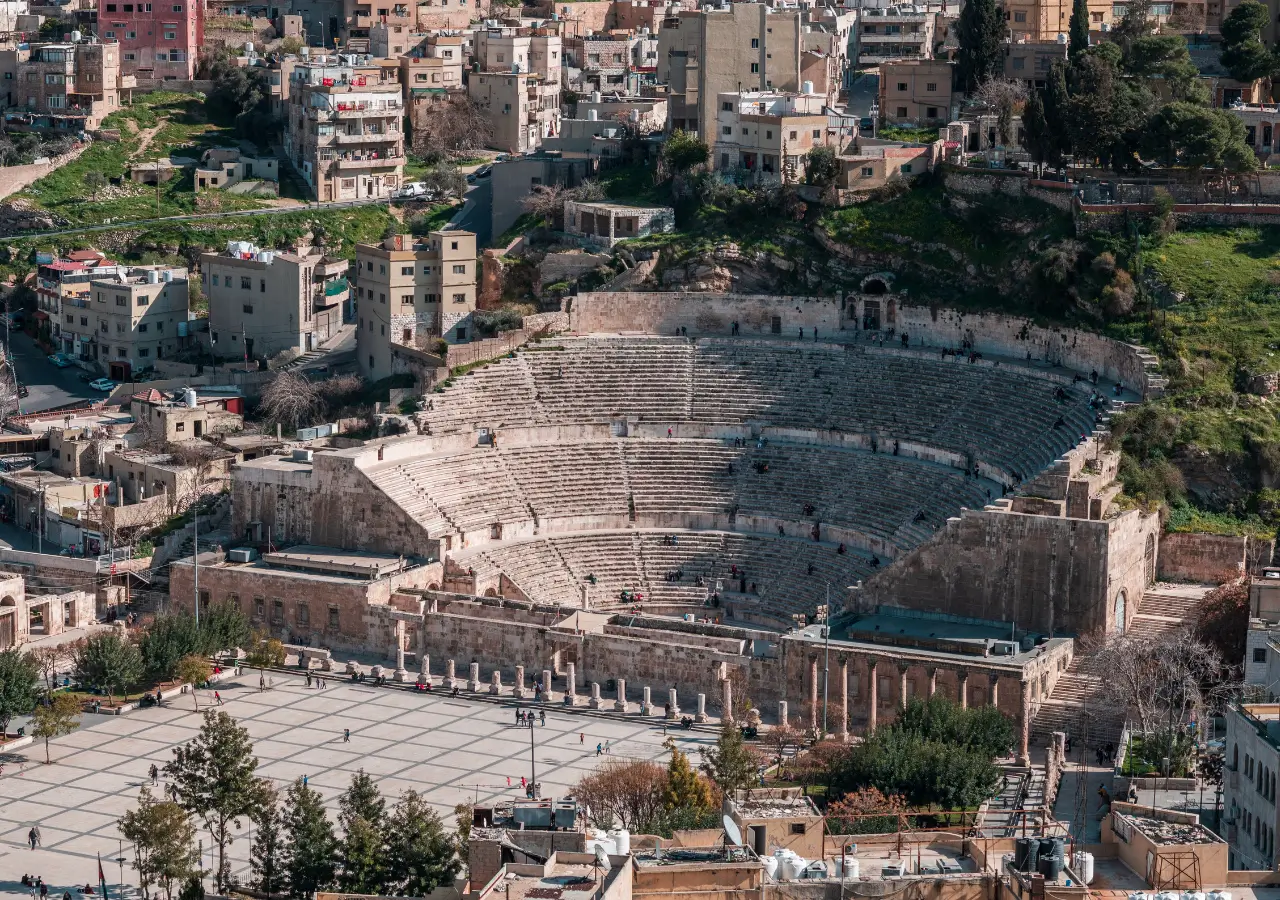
{"points": [[195, 556], [823, 612], [533, 762]]}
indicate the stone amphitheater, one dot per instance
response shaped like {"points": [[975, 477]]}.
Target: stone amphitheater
{"points": [[660, 492]]}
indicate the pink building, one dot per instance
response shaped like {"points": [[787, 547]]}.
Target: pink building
{"points": [[159, 40]]}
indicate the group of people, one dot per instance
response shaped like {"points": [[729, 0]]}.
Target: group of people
{"points": [[525, 718], [40, 889], [317, 682]]}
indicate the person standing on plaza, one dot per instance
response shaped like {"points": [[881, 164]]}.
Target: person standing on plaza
{"points": [[346, 735], [154, 773], [34, 836]]}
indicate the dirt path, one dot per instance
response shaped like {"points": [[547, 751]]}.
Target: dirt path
{"points": [[147, 137]]}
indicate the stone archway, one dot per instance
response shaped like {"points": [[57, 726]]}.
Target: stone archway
{"points": [[1149, 559], [1121, 608], [8, 623], [877, 284]]}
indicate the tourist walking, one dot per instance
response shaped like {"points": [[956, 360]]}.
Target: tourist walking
{"points": [[34, 836], [304, 780], [154, 773], [606, 747], [599, 752], [218, 697], [346, 735], [308, 679]]}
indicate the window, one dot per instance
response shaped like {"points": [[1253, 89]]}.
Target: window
{"points": [[792, 136], [259, 607], [277, 611], [122, 301], [932, 112], [797, 828], [460, 270], [262, 285], [333, 617], [902, 112], [1019, 63], [142, 328], [768, 134], [122, 353], [905, 168], [144, 351], [406, 298], [246, 283], [755, 68], [462, 334], [902, 86], [304, 614], [931, 86], [867, 171], [71, 320], [143, 299], [1020, 16], [406, 270], [170, 35], [728, 131], [726, 106], [459, 298], [755, 43], [453, 245], [248, 308], [817, 134], [382, 298], [745, 132], [1259, 654]]}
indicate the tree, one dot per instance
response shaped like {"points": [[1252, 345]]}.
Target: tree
{"points": [[1057, 113], [95, 181], [291, 400], [1244, 54], [265, 652], [684, 788], [683, 152], [464, 819], [49, 659], [545, 202], [240, 97], [865, 811], [1002, 96], [449, 127], [1165, 57], [108, 662], [923, 771], [59, 715], [1079, 28], [213, 775], [361, 812], [266, 857], [194, 671], [779, 739], [1222, 621], [165, 642], [979, 31], [1038, 138], [821, 166], [623, 794], [291, 45], [1184, 134], [445, 180], [1156, 681], [19, 686], [730, 764], [311, 847], [421, 856], [163, 839], [1107, 111]]}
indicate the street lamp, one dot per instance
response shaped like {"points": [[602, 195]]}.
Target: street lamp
{"points": [[533, 762], [823, 613]]}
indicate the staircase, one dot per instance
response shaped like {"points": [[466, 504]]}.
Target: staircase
{"points": [[331, 352], [1164, 607]]}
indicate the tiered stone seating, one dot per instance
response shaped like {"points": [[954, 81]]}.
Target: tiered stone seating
{"points": [[569, 479], [682, 476], [471, 489]]}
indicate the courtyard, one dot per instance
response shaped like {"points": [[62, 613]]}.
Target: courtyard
{"points": [[450, 749]]}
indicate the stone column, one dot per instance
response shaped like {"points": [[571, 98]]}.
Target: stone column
{"points": [[903, 683], [673, 707], [701, 714], [873, 693], [401, 674], [782, 713], [843, 716], [962, 679], [546, 685], [518, 690], [424, 676], [473, 682], [814, 718], [646, 702], [995, 690], [495, 683], [726, 687], [933, 680], [1024, 738], [595, 702], [450, 674], [620, 705], [570, 685]]}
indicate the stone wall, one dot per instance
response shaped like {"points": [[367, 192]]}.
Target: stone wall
{"points": [[347, 510], [1047, 574], [1202, 558], [990, 333], [15, 178], [1014, 184]]}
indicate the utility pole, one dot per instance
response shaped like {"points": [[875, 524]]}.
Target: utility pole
{"points": [[195, 556], [533, 762], [40, 522], [824, 617]]}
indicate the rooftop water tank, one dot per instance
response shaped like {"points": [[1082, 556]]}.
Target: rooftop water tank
{"points": [[166, 275], [266, 256], [807, 87], [248, 46], [595, 96], [153, 277], [301, 454], [623, 840], [76, 37], [592, 115], [189, 398]]}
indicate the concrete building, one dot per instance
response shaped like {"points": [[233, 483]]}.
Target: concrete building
{"points": [[409, 290], [1032, 60], [607, 223], [159, 40], [1249, 784], [505, 48], [895, 33], [62, 86], [222, 168], [262, 302], [514, 179], [433, 63], [522, 108], [679, 50], [916, 92], [343, 129], [62, 289], [870, 168], [132, 319], [766, 134], [24, 617], [647, 114], [603, 61]]}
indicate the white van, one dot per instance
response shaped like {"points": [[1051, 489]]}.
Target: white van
{"points": [[411, 190]]}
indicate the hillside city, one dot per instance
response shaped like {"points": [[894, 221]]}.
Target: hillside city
{"points": [[639, 449]]}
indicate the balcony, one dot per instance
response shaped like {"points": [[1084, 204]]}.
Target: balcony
{"points": [[386, 137], [919, 37], [382, 162]]}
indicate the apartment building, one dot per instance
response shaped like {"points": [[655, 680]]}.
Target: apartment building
{"points": [[522, 108], [62, 287], [1249, 784], [134, 317], [647, 114], [508, 48], [411, 289], [895, 33], [765, 134], [679, 55], [160, 40], [262, 302], [916, 92], [343, 131], [65, 86], [360, 16], [602, 62], [1033, 60]]}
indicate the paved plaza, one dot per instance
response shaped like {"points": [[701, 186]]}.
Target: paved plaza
{"points": [[450, 749]]}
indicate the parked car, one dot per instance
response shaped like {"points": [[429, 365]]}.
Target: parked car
{"points": [[412, 190], [61, 360], [484, 171], [105, 385]]}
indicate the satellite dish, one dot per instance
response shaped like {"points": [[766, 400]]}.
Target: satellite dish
{"points": [[731, 831], [602, 858]]}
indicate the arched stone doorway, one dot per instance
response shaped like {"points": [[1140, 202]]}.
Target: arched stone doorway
{"points": [[8, 623], [1121, 606]]}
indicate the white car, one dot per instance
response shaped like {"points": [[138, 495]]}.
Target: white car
{"points": [[412, 190], [103, 384]]}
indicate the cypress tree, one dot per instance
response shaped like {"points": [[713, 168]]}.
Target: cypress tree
{"points": [[979, 31], [1079, 27]]}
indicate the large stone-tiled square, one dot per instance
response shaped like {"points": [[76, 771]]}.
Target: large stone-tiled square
{"points": [[450, 749]]}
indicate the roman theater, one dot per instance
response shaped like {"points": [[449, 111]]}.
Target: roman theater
{"points": [[648, 506]]}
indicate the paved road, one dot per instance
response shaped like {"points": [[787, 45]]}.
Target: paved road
{"points": [[863, 93], [49, 387], [477, 214]]}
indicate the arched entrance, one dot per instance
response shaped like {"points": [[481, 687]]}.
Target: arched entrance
{"points": [[8, 623], [1122, 603], [1149, 560]]}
